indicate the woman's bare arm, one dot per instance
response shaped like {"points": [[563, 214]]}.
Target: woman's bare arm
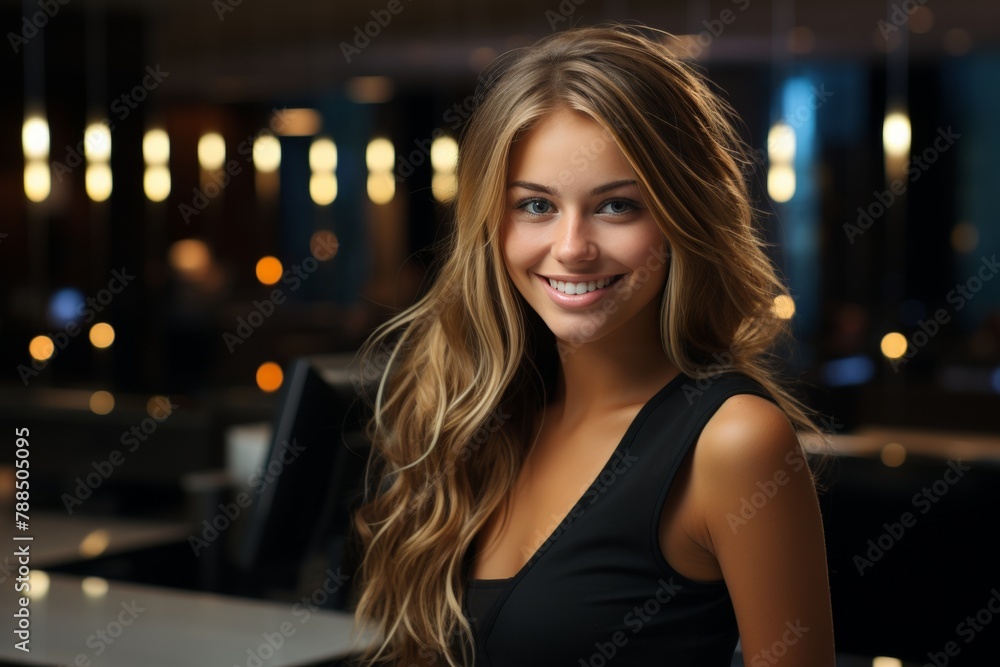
{"points": [[763, 522]]}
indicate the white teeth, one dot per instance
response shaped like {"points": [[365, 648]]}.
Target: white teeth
{"points": [[579, 288]]}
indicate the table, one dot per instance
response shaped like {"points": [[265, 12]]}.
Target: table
{"points": [[90, 621], [60, 539]]}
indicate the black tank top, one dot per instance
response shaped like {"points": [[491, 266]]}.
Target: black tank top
{"points": [[599, 591]]}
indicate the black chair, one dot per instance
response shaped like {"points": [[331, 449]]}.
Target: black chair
{"points": [[310, 483]]}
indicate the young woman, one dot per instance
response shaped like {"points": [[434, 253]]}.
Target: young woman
{"points": [[585, 454]]}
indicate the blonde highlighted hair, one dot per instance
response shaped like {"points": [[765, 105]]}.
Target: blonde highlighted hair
{"points": [[467, 368]]}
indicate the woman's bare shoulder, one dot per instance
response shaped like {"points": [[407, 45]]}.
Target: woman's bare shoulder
{"points": [[747, 429]]}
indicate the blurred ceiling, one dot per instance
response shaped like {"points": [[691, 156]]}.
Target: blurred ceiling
{"points": [[231, 50]]}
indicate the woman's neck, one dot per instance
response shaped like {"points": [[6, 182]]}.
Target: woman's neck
{"points": [[624, 367]]}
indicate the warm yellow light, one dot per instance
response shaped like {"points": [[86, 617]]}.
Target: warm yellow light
{"points": [[444, 154], [893, 345], [381, 187], [94, 587], [35, 138], [156, 182], [189, 255], [896, 134], [380, 155], [297, 122], [964, 237], [98, 181], [211, 151], [37, 180], [369, 89], [323, 155], [883, 661], [156, 147], [39, 586], [102, 335], [267, 154], [41, 348], [893, 455], [269, 270], [97, 142], [159, 408], [323, 187], [781, 182], [95, 543], [323, 245], [784, 307], [269, 376], [444, 186], [102, 402], [781, 144]]}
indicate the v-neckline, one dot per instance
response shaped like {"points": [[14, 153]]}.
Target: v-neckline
{"points": [[552, 537]]}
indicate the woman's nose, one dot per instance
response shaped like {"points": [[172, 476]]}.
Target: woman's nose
{"points": [[572, 242]]}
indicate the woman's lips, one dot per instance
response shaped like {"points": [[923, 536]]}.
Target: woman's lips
{"points": [[578, 300]]}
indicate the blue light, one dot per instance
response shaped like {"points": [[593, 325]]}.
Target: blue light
{"points": [[995, 380], [848, 371], [64, 307]]}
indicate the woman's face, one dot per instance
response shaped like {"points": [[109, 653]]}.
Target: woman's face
{"points": [[578, 240]]}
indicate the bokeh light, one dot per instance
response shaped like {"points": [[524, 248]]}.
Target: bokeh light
{"points": [[158, 407], [98, 181], [64, 306], [323, 245], [37, 180], [269, 270], [156, 183], [102, 335], [885, 661], [380, 155], [893, 345], [211, 151], [41, 348], [323, 155], [269, 376], [40, 583], [95, 543], [35, 138], [893, 455], [784, 307], [189, 255], [323, 188], [896, 134], [156, 147], [102, 402], [444, 154], [267, 154], [781, 143], [381, 187], [444, 186], [781, 183], [97, 142], [94, 587]]}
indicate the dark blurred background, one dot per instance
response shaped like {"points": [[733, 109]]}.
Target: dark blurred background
{"points": [[198, 193]]}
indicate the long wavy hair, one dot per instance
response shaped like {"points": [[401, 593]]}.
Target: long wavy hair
{"points": [[465, 371]]}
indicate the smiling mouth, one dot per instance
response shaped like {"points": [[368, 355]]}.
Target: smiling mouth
{"points": [[572, 288]]}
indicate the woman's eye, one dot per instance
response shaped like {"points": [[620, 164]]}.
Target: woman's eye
{"points": [[618, 207], [536, 207]]}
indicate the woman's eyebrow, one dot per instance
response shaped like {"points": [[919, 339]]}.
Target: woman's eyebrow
{"points": [[599, 190], [533, 186]]}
